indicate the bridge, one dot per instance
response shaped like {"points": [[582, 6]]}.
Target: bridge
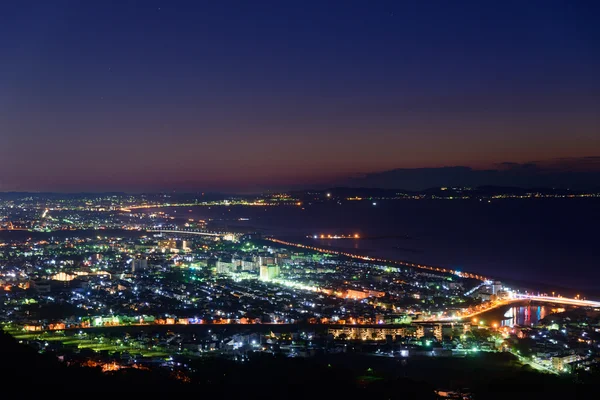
{"points": [[557, 300], [189, 232], [515, 298]]}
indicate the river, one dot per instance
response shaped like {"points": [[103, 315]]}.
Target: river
{"points": [[525, 315]]}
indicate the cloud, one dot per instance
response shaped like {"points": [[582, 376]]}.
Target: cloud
{"points": [[573, 173]]}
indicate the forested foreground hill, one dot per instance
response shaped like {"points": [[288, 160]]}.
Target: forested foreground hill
{"points": [[266, 376]]}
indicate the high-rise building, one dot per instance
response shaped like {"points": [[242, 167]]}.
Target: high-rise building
{"points": [[266, 260], [249, 265], [496, 287], [138, 264], [173, 245], [211, 264], [167, 244], [438, 332], [264, 273], [225, 267], [269, 272]]}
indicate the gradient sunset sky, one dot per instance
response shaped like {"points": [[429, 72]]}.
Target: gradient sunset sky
{"points": [[237, 95]]}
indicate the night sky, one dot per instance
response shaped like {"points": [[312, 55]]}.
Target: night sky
{"points": [[245, 95]]}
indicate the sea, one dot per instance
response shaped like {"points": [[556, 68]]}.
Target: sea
{"points": [[551, 241]]}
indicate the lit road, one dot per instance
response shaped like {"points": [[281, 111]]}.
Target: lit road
{"points": [[515, 299], [471, 314], [203, 204], [534, 364], [559, 300], [191, 232], [381, 260]]}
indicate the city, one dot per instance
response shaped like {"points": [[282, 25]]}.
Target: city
{"points": [[312, 200], [121, 289]]}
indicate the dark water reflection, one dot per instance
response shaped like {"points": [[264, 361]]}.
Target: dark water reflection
{"points": [[525, 315]]}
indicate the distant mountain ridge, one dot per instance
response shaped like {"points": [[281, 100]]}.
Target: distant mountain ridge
{"points": [[528, 175]]}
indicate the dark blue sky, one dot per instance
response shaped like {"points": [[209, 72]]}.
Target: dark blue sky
{"points": [[238, 95]]}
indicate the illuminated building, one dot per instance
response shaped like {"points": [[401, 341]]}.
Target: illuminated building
{"points": [[173, 246], [63, 277], [264, 273], [167, 244], [249, 265], [496, 287], [224, 267], [437, 332], [273, 271], [66, 283], [355, 294], [364, 333], [269, 272], [362, 294], [561, 363], [266, 260], [138, 264]]}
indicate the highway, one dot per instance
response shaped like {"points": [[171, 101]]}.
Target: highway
{"points": [[515, 299], [558, 300], [190, 232], [382, 260]]}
